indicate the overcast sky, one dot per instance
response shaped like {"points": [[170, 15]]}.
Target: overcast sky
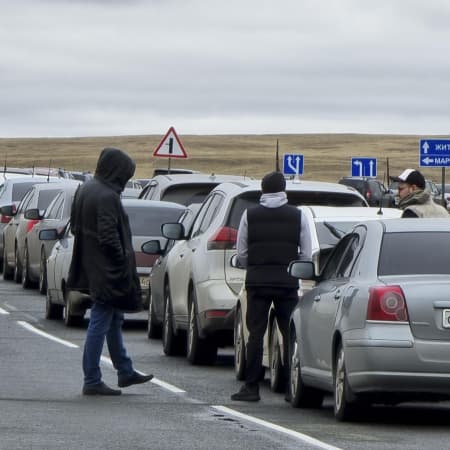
{"points": [[119, 67]]}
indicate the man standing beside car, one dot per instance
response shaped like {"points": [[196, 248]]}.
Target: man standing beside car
{"points": [[103, 265], [414, 200], [269, 237]]}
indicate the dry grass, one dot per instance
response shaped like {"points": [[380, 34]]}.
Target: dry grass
{"points": [[326, 156]]}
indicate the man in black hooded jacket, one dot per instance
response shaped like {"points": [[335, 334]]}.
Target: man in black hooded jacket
{"points": [[103, 265]]}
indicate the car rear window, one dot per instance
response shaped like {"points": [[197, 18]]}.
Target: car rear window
{"points": [[46, 197], [148, 221], [186, 194], [321, 198], [415, 253]]}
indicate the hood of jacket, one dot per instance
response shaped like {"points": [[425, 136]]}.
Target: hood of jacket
{"points": [[415, 198], [273, 200], [115, 168]]}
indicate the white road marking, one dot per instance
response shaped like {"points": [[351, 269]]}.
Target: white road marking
{"points": [[3, 311], [303, 437], [10, 307], [30, 327]]}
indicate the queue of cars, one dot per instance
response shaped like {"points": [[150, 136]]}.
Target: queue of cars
{"points": [[364, 296]]}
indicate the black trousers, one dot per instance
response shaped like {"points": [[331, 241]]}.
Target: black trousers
{"points": [[258, 305]]}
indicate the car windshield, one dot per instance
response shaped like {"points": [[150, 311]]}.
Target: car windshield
{"points": [[330, 232], [148, 221], [415, 253]]}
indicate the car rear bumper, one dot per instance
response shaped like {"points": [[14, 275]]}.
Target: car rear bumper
{"points": [[398, 363]]}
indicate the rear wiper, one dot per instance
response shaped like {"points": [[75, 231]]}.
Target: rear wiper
{"points": [[337, 233]]}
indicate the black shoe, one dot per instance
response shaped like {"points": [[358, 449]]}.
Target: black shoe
{"points": [[100, 389], [247, 394], [134, 378]]}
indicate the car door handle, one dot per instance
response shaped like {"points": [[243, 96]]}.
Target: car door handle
{"points": [[317, 298]]}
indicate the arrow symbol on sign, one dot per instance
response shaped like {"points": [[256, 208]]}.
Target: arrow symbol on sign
{"points": [[427, 160], [296, 168], [371, 163], [358, 163], [425, 147]]}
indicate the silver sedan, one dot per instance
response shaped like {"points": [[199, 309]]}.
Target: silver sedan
{"points": [[375, 328]]}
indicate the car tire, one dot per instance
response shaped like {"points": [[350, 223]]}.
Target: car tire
{"points": [[43, 273], [26, 281], [199, 351], [17, 267], [240, 360], [52, 310], [277, 372], [346, 404], [70, 319], [8, 273], [172, 343], [154, 329], [300, 396]]}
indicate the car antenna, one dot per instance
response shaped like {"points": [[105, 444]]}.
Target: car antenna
{"points": [[48, 174]]}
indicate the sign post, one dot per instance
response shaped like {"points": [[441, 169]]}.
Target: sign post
{"points": [[170, 147]]}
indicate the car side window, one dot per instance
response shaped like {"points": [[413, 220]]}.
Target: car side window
{"points": [[209, 214], [54, 207], [200, 216], [25, 201], [341, 260]]}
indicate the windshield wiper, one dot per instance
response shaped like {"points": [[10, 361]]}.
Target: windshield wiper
{"points": [[336, 232]]}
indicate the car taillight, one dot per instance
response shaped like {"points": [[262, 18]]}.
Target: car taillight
{"points": [[4, 219], [387, 303], [223, 239], [368, 194], [31, 224]]}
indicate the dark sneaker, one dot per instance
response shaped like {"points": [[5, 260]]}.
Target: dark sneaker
{"points": [[247, 394], [100, 389], [134, 378]]}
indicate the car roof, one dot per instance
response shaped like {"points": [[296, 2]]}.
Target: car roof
{"points": [[419, 224], [195, 178], [57, 183], [350, 213]]}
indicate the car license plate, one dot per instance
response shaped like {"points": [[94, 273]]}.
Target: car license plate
{"points": [[446, 318], [145, 282]]}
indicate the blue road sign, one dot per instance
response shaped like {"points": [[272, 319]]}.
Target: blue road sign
{"points": [[293, 164], [434, 152], [364, 167]]}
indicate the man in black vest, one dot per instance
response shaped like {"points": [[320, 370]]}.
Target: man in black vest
{"points": [[269, 237]]}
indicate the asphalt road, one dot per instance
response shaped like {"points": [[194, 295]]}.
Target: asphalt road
{"points": [[184, 407]]}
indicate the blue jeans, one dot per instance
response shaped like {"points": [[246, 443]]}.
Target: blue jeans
{"points": [[105, 321]]}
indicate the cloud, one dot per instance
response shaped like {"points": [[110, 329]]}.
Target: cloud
{"points": [[126, 67]]}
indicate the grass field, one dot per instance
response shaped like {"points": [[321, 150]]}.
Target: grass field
{"points": [[326, 156]]}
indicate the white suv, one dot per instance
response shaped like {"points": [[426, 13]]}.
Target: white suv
{"points": [[201, 285]]}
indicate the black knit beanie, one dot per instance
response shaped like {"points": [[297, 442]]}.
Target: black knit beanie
{"points": [[273, 182]]}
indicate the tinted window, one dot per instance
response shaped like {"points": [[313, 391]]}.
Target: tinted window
{"points": [[45, 198], [324, 198], [187, 193], [415, 253], [148, 221], [330, 232], [54, 207], [239, 205], [20, 189]]}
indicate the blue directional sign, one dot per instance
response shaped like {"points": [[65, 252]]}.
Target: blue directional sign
{"points": [[364, 167], [293, 164], [434, 152]]}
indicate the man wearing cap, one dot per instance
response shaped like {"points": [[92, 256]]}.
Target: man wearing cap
{"points": [[414, 199], [270, 235]]}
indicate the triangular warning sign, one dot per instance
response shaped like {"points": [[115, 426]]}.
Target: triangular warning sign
{"points": [[170, 146]]}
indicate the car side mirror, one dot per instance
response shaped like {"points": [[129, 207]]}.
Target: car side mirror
{"points": [[33, 214], [173, 231], [8, 210], [152, 247], [302, 269], [50, 234]]}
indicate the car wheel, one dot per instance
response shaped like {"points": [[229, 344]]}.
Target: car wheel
{"points": [[199, 350], [52, 310], [70, 319], [239, 347], [277, 378], [43, 273], [301, 396], [172, 343], [346, 404], [26, 281], [17, 267], [154, 329], [7, 272]]}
